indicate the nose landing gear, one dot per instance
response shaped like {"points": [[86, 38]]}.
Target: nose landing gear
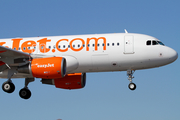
{"points": [[132, 86]]}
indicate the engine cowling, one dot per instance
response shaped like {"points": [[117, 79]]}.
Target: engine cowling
{"points": [[47, 68], [70, 81]]}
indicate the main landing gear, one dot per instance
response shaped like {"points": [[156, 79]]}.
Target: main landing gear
{"points": [[24, 93], [131, 85], [9, 87]]}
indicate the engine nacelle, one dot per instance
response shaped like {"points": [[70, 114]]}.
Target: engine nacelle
{"points": [[47, 68], [70, 81]]}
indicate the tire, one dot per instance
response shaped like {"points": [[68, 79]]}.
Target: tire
{"points": [[132, 86], [25, 93], [8, 87]]}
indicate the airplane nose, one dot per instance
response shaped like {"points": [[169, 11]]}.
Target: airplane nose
{"points": [[173, 55]]}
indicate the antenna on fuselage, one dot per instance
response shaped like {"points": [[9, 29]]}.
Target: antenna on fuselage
{"points": [[125, 31]]}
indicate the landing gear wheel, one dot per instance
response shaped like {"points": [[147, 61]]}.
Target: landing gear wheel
{"points": [[8, 87], [25, 93], [132, 86]]}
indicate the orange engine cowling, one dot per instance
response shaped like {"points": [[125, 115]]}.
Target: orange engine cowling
{"points": [[47, 68], [70, 81]]}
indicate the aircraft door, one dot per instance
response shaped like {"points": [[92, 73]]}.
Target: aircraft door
{"points": [[128, 45]]}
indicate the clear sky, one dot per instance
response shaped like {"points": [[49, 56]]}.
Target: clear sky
{"points": [[106, 95]]}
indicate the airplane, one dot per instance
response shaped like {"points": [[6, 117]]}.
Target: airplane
{"points": [[63, 61]]}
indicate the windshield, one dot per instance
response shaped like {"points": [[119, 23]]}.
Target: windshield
{"points": [[154, 42], [159, 42]]}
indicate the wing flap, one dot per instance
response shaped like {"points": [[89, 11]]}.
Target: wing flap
{"points": [[13, 57]]}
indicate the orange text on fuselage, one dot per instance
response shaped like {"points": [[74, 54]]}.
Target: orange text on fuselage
{"points": [[29, 46]]}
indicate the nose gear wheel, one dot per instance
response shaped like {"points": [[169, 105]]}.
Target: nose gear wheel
{"points": [[132, 86]]}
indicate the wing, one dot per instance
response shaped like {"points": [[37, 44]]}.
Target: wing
{"points": [[10, 57]]}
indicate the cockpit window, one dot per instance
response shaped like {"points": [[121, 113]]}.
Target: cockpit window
{"points": [[148, 42], [154, 42], [159, 42]]}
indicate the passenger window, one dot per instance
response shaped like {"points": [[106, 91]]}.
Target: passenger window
{"points": [[148, 42], [112, 44], [117, 44], [108, 44]]}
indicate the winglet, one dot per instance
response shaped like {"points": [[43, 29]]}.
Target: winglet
{"points": [[125, 31]]}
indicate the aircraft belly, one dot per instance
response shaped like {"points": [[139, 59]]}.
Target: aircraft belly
{"points": [[100, 62]]}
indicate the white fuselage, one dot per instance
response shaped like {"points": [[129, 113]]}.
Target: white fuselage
{"points": [[97, 52]]}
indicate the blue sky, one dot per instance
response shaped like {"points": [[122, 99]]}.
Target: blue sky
{"points": [[106, 95]]}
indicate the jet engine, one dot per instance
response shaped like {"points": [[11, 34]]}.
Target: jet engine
{"points": [[47, 68], [70, 81]]}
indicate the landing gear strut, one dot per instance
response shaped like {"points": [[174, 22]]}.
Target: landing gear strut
{"points": [[8, 86], [131, 85], [25, 93]]}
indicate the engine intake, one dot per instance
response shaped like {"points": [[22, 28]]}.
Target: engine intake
{"points": [[47, 68]]}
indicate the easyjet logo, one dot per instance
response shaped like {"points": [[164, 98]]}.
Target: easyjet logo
{"points": [[45, 65], [30, 46]]}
